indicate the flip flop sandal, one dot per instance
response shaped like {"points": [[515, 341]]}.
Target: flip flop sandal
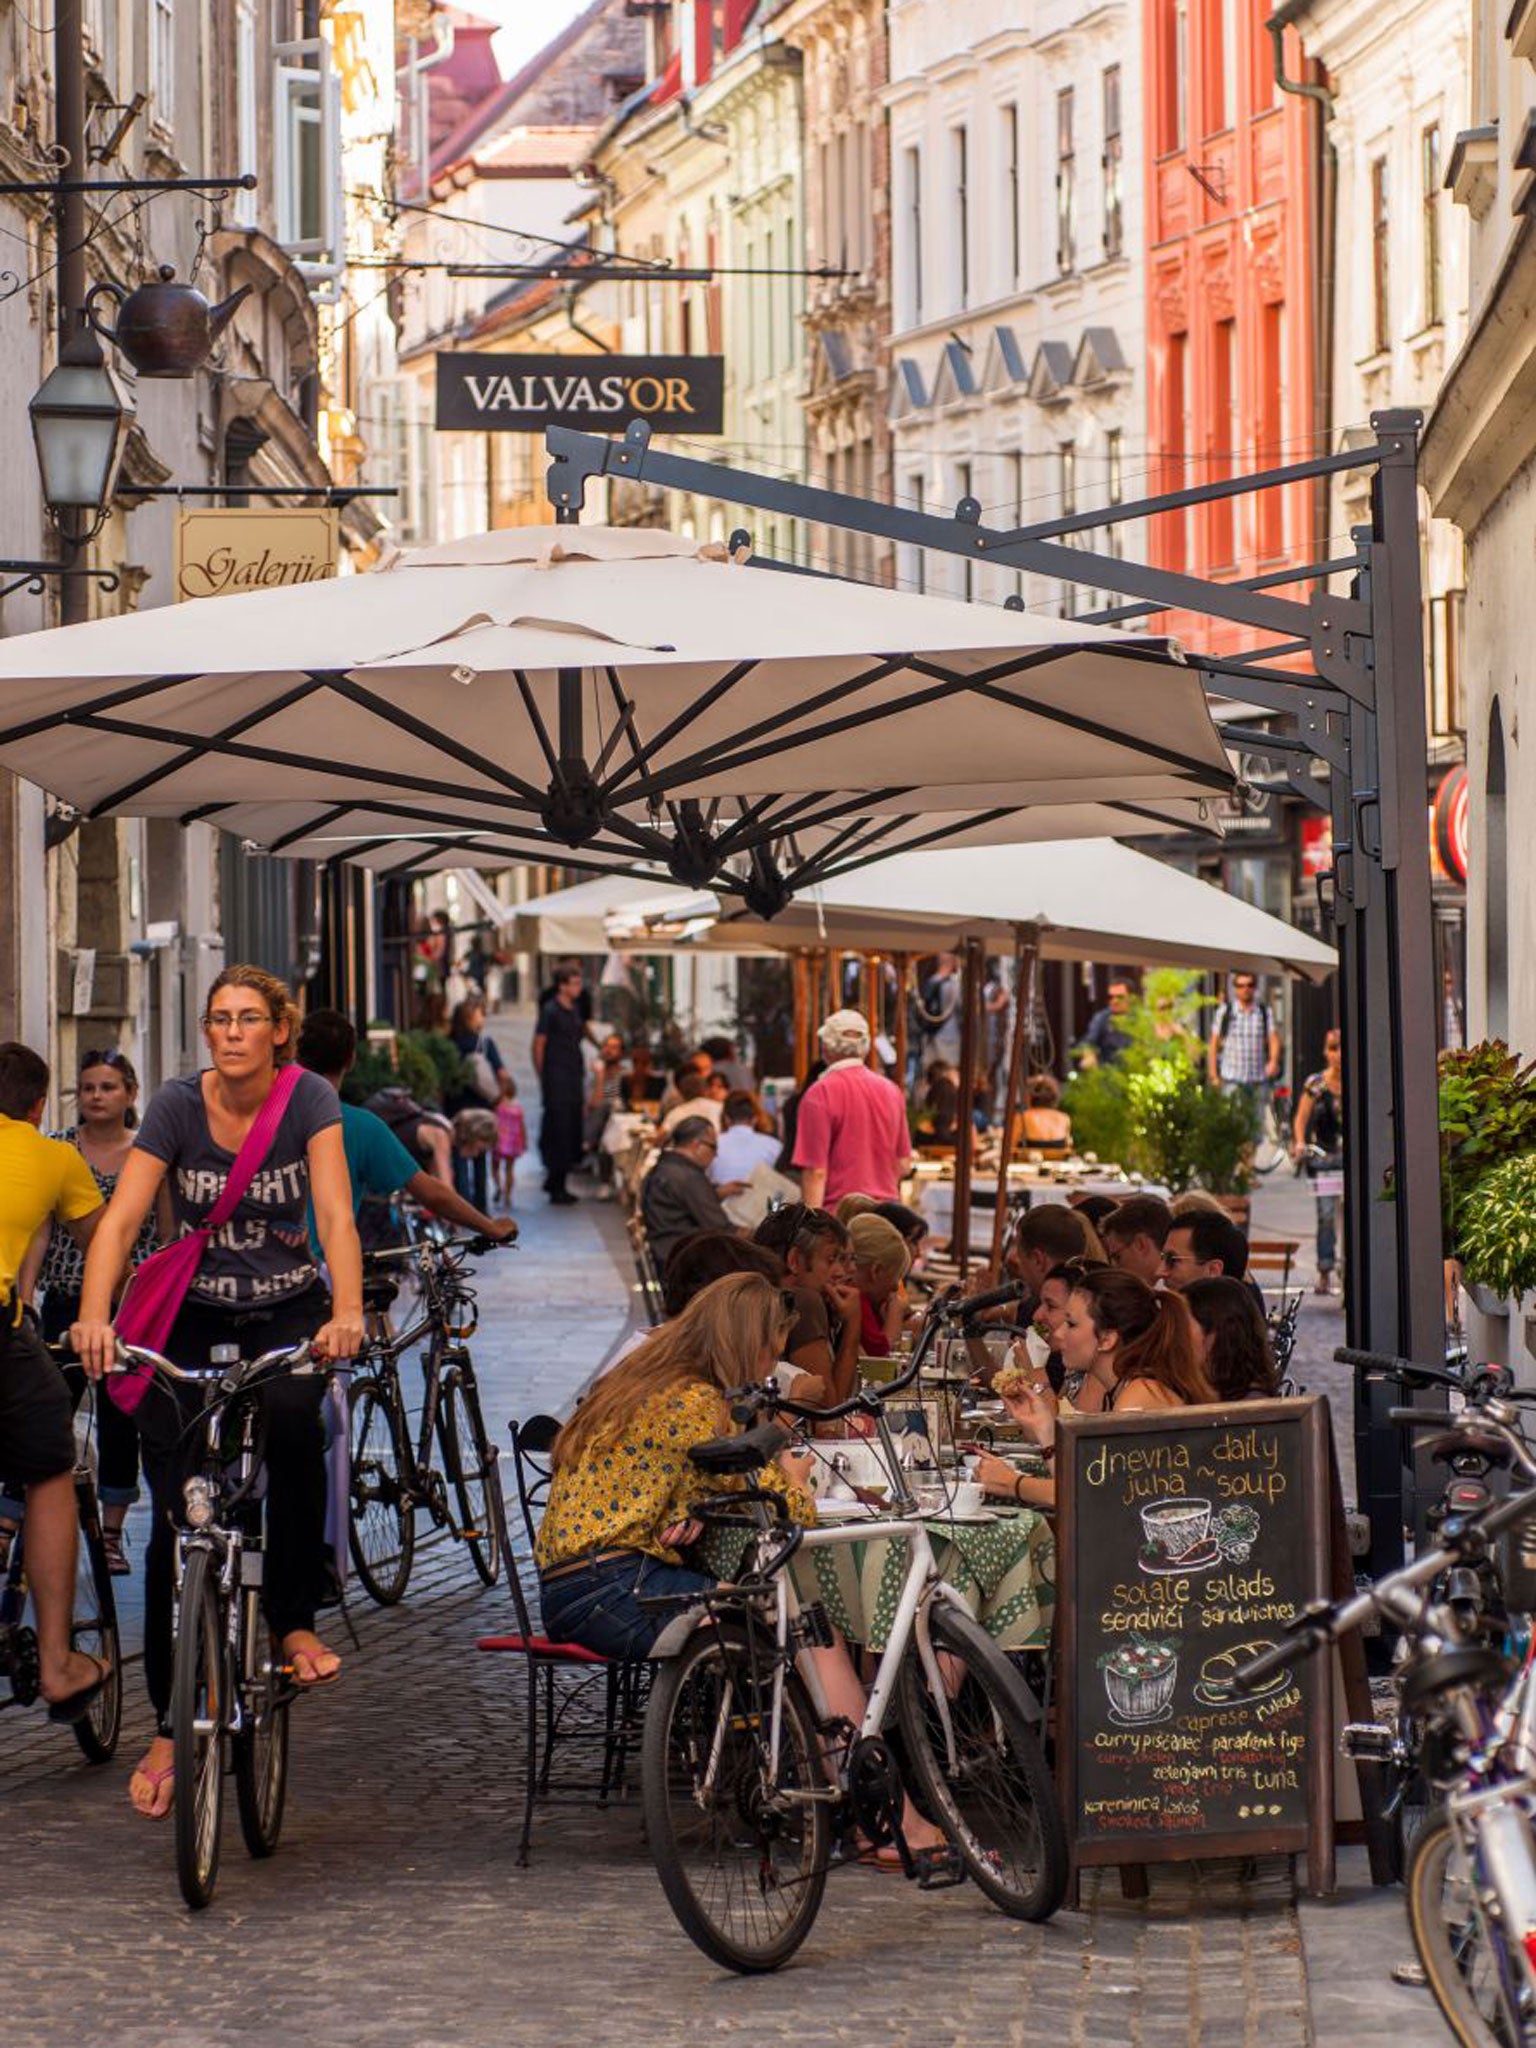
{"points": [[320, 1677], [116, 1551], [154, 1780], [76, 1705]]}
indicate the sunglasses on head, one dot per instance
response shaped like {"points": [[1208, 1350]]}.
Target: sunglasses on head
{"points": [[111, 1058]]}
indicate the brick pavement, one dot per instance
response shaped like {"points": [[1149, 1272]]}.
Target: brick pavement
{"points": [[393, 1915]]}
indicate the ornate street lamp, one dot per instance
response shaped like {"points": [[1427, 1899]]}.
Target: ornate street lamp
{"points": [[81, 415]]}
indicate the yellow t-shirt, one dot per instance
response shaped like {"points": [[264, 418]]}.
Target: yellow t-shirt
{"points": [[623, 1494], [39, 1178]]}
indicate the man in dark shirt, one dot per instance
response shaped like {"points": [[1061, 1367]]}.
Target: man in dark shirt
{"points": [[678, 1196], [562, 1077], [1105, 1035]]}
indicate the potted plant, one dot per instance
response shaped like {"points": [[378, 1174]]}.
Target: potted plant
{"points": [[1496, 1230]]}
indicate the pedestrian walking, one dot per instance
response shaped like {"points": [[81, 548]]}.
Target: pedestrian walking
{"points": [[851, 1133], [1243, 1057], [511, 1138], [1318, 1148], [938, 1013], [106, 1095], [557, 1060], [253, 1116]]}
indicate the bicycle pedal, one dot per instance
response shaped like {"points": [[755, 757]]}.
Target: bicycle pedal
{"points": [[936, 1872]]}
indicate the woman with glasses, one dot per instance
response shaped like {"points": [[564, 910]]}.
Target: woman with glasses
{"points": [[106, 1095], [258, 1288]]}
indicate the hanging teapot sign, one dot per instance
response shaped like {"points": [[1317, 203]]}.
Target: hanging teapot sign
{"points": [[164, 328]]}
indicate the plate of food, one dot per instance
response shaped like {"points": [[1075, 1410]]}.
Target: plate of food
{"points": [[1214, 1686]]}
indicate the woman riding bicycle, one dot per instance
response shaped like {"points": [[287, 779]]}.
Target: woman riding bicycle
{"points": [[257, 1288], [618, 1511]]}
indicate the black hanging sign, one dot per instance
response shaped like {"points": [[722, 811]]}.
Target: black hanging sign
{"points": [[1188, 1538], [518, 394]]}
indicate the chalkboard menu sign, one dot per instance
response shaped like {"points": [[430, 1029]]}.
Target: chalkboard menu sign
{"points": [[1188, 1538]]}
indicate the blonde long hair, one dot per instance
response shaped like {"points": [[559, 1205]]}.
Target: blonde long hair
{"points": [[719, 1339]]}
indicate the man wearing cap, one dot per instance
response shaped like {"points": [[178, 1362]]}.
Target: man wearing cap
{"points": [[852, 1136]]}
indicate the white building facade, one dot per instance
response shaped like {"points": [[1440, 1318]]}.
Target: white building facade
{"points": [[1017, 275]]}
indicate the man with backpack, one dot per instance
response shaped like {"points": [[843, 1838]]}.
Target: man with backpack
{"points": [[1244, 1053]]}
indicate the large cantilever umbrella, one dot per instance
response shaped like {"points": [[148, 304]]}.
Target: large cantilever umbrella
{"points": [[620, 691]]}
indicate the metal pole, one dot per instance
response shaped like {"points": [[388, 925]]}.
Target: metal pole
{"points": [[970, 991], [70, 235], [800, 969], [1026, 956], [903, 976]]}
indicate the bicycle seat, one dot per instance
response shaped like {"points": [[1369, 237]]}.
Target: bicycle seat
{"points": [[1479, 1443], [748, 1452]]}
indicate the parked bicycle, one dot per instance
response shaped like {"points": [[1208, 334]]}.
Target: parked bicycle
{"points": [[1471, 1876], [230, 1689], [745, 1776], [93, 1627], [393, 1474]]}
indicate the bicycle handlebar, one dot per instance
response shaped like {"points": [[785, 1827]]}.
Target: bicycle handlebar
{"points": [[476, 1246], [297, 1358], [1397, 1368]]}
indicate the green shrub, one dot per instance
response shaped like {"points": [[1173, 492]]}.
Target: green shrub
{"points": [[426, 1064], [1487, 1116], [1497, 1228]]}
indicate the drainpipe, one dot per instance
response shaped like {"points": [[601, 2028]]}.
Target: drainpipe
{"points": [[1326, 240]]}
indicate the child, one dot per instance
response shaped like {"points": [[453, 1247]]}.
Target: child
{"points": [[511, 1138]]}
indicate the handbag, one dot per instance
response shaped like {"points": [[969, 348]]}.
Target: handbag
{"points": [[158, 1288], [481, 1074]]}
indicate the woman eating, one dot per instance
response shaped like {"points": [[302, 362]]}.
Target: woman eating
{"points": [[1239, 1361], [257, 1288], [880, 1263], [1137, 1346], [618, 1520]]}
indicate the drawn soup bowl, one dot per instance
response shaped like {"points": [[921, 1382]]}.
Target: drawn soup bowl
{"points": [[1175, 1529]]}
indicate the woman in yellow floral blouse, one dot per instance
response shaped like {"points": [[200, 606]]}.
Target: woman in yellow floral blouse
{"points": [[618, 1503]]}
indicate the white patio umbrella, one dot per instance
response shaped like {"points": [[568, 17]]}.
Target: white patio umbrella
{"points": [[1087, 899], [613, 688]]}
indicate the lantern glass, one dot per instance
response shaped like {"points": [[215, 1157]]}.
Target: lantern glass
{"points": [[80, 422]]}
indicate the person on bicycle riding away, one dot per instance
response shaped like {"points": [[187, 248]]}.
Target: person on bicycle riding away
{"points": [[618, 1514], [42, 1179], [377, 1163], [1244, 1054], [258, 1288]]}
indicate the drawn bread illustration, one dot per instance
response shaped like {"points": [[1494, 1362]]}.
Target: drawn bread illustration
{"points": [[1218, 1670]]}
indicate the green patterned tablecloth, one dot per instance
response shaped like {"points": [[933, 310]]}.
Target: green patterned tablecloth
{"points": [[1004, 1570]]}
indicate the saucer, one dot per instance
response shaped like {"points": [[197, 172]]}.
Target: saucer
{"points": [[1197, 1560], [1146, 1720]]}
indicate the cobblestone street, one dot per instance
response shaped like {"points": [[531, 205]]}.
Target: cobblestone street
{"points": [[394, 1916]]}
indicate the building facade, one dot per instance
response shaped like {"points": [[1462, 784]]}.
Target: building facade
{"points": [[1018, 291]]}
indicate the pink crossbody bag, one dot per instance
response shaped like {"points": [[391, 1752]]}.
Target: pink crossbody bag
{"points": [[159, 1287]]}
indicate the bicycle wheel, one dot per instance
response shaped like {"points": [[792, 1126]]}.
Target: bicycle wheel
{"points": [[741, 1849], [261, 1753], [469, 1459], [383, 1519], [93, 1629], [1451, 1937], [197, 1722], [992, 1791]]}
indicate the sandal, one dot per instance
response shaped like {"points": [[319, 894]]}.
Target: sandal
{"points": [[76, 1705], [116, 1550], [7, 1538], [154, 1780], [304, 1665]]}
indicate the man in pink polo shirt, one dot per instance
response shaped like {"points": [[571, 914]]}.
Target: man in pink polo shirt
{"points": [[852, 1136]]}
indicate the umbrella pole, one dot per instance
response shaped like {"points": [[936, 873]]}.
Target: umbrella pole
{"points": [[1026, 955], [970, 991], [903, 970], [802, 977], [872, 998]]}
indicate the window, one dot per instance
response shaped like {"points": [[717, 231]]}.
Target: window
{"points": [[1430, 181], [1269, 505], [1223, 438], [246, 117], [787, 293], [1173, 526], [101, 37], [770, 322], [1114, 483], [1381, 283], [1016, 469], [914, 182], [918, 495], [1066, 184], [964, 488], [1114, 165], [307, 135], [828, 253], [1220, 68], [960, 144], [1066, 484], [1447, 714], [162, 62], [840, 242], [1172, 73], [1011, 163]]}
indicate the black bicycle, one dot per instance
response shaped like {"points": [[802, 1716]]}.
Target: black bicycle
{"points": [[93, 1626], [393, 1474], [230, 1689]]}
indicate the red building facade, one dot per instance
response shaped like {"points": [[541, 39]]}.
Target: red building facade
{"points": [[1231, 320]]}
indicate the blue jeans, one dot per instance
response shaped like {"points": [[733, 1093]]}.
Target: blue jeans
{"points": [[597, 1605], [1328, 1217]]}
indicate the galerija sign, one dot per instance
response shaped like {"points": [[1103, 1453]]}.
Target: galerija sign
{"points": [[520, 394], [224, 551]]}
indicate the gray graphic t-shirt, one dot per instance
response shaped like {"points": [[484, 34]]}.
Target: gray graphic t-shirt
{"points": [[262, 1254]]}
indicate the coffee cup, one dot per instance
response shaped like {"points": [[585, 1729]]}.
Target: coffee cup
{"points": [[968, 1497]]}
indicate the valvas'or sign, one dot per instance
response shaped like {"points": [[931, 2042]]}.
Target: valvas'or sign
{"points": [[520, 394]]}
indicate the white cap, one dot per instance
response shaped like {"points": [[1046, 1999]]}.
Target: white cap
{"points": [[845, 1036]]}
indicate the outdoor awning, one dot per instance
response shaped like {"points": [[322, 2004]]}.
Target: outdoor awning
{"points": [[610, 688], [1089, 899]]}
